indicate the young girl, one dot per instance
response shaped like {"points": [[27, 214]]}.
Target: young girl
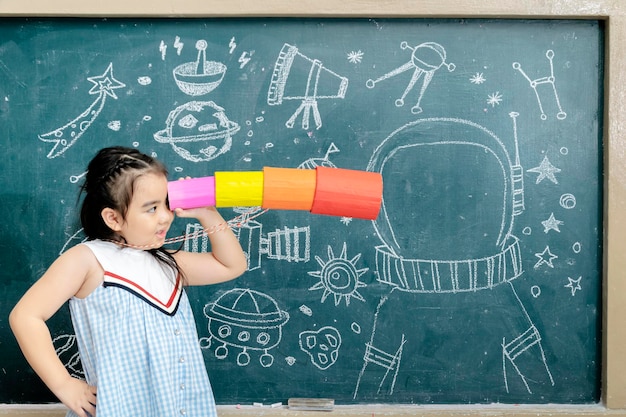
{"points": [[134, 326]]}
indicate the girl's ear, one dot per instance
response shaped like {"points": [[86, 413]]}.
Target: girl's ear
{"points": [[112, 219]]}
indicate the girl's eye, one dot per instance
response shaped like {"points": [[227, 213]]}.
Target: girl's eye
{"points": [[152, 209]]}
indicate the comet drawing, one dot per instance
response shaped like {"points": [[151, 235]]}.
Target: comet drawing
{"points": [[65, 136]]}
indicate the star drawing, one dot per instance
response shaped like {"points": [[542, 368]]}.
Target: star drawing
{"points": [[551, 224], [495, 98], [105, 83], [545, 170], [573, 284], [355, 57], [546, 257], [477, 78]]}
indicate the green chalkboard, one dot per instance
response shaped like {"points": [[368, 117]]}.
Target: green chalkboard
{"points": [[480, 280]]}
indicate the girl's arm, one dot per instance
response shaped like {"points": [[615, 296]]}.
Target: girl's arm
{"points": [[65, 278], [226, 260]]}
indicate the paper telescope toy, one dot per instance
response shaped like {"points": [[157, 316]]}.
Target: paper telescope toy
{"points": [[323, 190]]}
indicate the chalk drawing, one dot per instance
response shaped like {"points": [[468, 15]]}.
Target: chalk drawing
{"points": [[551, 224], [190, 126], [66, 349], [389, 361], [311, 163], [339, 276], [407, 270], [516, 347], [547, 80], [545, 170], [322, 346], [574, 284], [355, 57], [245, 320], [424, 63], [321, 83], [545, 258], [567, 201], [65, 136]]}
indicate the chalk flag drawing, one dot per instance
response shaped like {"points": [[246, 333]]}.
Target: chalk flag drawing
{"points": [[339, 276], [322, 346], [65, 136], [247, 320], [193, 124], [426, 59], [298, 77], [311, 163], [547, 80], [415, 272]]}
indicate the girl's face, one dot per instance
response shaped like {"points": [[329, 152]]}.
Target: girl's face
{"points": [[148, 218]]}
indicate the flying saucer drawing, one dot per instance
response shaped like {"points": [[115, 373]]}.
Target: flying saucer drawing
{"points": [[245, 319], [65, 136]]}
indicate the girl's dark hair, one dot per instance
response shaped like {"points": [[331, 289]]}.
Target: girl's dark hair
{"points": [[109, 182]]}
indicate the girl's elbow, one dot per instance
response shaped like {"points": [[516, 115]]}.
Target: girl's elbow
{"points": [[241, 268], [15, 319]]}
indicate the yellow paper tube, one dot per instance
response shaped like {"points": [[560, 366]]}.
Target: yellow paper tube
{"points": [[234, 189], [288, 188]]}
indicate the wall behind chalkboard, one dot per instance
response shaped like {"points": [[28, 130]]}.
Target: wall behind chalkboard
{"points": [[478, 282]]}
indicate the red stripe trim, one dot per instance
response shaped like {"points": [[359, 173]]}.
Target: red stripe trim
{"points": [[133, 284]]}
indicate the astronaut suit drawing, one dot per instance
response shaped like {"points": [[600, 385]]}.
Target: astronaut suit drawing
{"points": [[450, 323]]}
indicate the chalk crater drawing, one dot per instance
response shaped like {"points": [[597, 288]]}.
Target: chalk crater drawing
{"points": [[244, 320], [322, 346], [426, 59]]}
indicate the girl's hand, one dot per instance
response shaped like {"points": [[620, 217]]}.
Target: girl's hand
{"points": [[78, 397], [197, 213], [209, 214]]}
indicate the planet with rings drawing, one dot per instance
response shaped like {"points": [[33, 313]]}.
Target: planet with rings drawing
{"points": [[198, 131]]}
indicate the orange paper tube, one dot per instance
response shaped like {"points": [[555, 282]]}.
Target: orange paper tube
{"points": [[288, 188], [347, 193]]}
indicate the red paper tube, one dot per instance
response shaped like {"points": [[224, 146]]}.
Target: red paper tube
{"points": [[347, 193]]}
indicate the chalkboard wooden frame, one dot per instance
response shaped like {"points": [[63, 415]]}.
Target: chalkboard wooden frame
{"points": [[611, 12]]}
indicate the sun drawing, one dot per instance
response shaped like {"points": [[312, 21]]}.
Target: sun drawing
{"points": [[339, 276]]}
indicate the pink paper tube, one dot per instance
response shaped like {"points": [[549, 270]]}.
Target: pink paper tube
{"points": [[191, 193]]}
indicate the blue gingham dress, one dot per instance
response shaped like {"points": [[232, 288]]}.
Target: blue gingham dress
{"points": [[138, 341]]}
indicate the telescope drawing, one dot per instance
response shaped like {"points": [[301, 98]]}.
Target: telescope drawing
{"points": [[323, 190], [298, 77]]}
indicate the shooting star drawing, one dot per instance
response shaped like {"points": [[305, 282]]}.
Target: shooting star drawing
{"points": [[65, 136]]}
